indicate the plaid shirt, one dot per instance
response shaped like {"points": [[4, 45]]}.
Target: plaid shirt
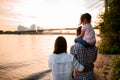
{"points": [[86, 57]]}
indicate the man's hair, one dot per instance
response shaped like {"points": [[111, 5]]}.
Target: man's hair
{"points": [[78, 30], [60, 45], [86, 16]]}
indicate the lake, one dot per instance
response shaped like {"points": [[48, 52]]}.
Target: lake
{"points": [[24, 55]]}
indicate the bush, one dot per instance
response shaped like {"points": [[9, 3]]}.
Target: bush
{"points": [[110, 28], [116, 69], [106, 47]]}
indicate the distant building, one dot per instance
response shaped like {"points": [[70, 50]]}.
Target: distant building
{"points": [[38, 27], [33, 27], [22, 28]]}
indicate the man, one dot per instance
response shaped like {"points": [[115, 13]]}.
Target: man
{"points": [[85, 56]]}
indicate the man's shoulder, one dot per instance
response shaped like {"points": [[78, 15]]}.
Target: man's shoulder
{"points": [[77, 45], [80, 46]]}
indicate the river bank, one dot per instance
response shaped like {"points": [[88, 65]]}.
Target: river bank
{"points": [[102, 68]]}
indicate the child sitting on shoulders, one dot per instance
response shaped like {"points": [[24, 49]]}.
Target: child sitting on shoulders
{"points": [[87, 36]]}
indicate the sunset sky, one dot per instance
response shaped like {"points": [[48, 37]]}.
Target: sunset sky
{"points": [[46, 13]]}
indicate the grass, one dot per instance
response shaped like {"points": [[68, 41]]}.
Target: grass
{"points": [[116, 68], [107, 48]]}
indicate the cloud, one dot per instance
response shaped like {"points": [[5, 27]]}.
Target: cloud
{"points": [[6, 8], [46, 12]]}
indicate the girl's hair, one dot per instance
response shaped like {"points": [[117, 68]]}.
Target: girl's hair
{"points": [[86, 16], [60, 45], [81, 18]]}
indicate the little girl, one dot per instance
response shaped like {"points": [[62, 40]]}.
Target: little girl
{"points": [[87, 36]]}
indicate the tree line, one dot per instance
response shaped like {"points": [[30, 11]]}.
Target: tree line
{"points": [[110, 28]]}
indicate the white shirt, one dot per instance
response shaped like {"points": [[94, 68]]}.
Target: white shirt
{"points": [[89, 35], [62, 66]]}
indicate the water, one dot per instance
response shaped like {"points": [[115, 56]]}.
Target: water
{"points": [[24, 55]]}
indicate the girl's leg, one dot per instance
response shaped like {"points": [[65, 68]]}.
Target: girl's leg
{"points": [[83, 42]]}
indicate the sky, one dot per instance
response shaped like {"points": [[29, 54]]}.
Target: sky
{"points": [[46, 13]]}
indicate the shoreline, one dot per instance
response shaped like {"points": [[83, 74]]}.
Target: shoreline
{"points": [[102, 70], [43, 34]]}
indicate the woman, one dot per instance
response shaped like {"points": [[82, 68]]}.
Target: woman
{"points": [[61, 63]]}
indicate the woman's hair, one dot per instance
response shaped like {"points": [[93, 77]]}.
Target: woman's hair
{"points": [[86, 16], [60, 45]]}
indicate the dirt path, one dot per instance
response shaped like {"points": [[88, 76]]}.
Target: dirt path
{"points": [[102, 67]]}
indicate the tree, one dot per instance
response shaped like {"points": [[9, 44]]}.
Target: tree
{"points": [[111, 29]]}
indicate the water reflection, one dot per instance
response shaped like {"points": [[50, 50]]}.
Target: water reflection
{"points": [[23, 55]]}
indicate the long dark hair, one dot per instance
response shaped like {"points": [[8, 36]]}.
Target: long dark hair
{"points": [[60, 45]]}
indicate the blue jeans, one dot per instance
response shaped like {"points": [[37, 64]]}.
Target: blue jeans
{"points": [[83, 42]]}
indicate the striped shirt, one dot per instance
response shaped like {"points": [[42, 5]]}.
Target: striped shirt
{"points": [[86, 57]]}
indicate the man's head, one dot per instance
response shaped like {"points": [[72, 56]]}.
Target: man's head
{"points": [[78, 31]]}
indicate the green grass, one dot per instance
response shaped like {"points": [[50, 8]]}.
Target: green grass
{"points": [[116, 68], [107, 47]]}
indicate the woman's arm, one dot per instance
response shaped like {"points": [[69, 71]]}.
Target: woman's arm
{"points": [[77, 65]]}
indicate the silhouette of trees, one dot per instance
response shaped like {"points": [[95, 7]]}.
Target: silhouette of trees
{"points": [[110, 28]]}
